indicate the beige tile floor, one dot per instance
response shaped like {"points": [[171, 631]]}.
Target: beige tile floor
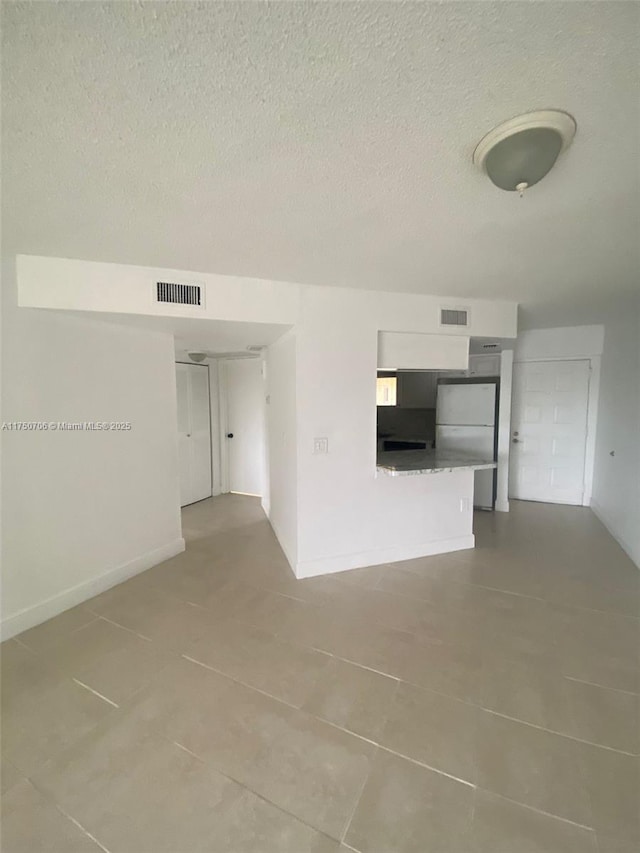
{"points": [[478, 702]]}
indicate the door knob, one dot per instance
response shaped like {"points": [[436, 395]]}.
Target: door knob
{"points": [[516, 440], [229, 435], [188, 435]]}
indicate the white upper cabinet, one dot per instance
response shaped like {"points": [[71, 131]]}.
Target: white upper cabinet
{"points": [[411, 351]]}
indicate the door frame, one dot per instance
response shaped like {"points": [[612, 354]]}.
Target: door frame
{"points": [[593, 393], [223, 409], [223, 420], [213, 372], [213, 411]]}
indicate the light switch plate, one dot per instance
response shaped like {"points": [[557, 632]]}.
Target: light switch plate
{"points": [[320, 445]]}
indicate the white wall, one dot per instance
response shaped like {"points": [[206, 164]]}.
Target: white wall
{"points": [[282, 503], [349, 516], [571, 342], [562, 342], [82, 511], [122, 288], [616, 488]]}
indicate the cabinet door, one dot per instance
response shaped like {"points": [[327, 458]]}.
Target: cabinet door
{"points": [[484, 365]]}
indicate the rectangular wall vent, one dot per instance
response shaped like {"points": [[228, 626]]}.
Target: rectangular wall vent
{"points": [[178, 294], [454, 317]]}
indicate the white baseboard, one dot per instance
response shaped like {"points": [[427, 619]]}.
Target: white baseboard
{"points": [[31, 616], [344, 562], [601, 515], [281, 542], [502, 506]]}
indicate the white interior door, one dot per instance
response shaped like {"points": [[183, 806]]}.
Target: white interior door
{"points": [[194, 432], [549, 430], [245, 426]]}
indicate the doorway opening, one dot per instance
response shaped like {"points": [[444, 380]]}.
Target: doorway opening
{"points": [[221, 428]]}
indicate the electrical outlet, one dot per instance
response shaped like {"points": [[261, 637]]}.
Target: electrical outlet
{"points": [[320, 445]]}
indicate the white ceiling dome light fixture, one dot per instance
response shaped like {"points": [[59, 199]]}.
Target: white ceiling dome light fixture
{"points": [[520, 152]]}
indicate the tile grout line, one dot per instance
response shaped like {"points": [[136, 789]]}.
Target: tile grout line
{"points": [[281, 701], [367, 776], [474, 796], [356, 664], [482, 707], [428, 766], [500, 590], [238, 681], [58, 807], [490, 710], [559, 734], [21, 644], [333, 725], [601, 686], [86, 831], [537, 811], [124, 628], [582, 772], [61, 639], [279, 638], [213, 766], [265, 799], [358, 798], [419, 687], [95, 692]]}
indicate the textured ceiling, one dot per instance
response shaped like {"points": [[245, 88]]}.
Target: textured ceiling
{"points": [[326, 143]]}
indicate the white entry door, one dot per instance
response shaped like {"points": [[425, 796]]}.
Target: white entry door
{"points": [[549, 431], [194, 432], [245, 436]]}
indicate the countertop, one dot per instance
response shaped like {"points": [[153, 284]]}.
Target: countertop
{"points": [[398, 463], [410, 439]]}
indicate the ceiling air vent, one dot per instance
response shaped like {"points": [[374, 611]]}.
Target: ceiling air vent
{"points": [[454, 317], [178, 294]]}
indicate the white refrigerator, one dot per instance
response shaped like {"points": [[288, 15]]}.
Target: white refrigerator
{"points": [[466, 426]]}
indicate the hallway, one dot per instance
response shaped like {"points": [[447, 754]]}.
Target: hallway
{"points": [[483, 701]]}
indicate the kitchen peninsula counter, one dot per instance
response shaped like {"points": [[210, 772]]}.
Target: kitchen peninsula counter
{"points": [[400, 463]]}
